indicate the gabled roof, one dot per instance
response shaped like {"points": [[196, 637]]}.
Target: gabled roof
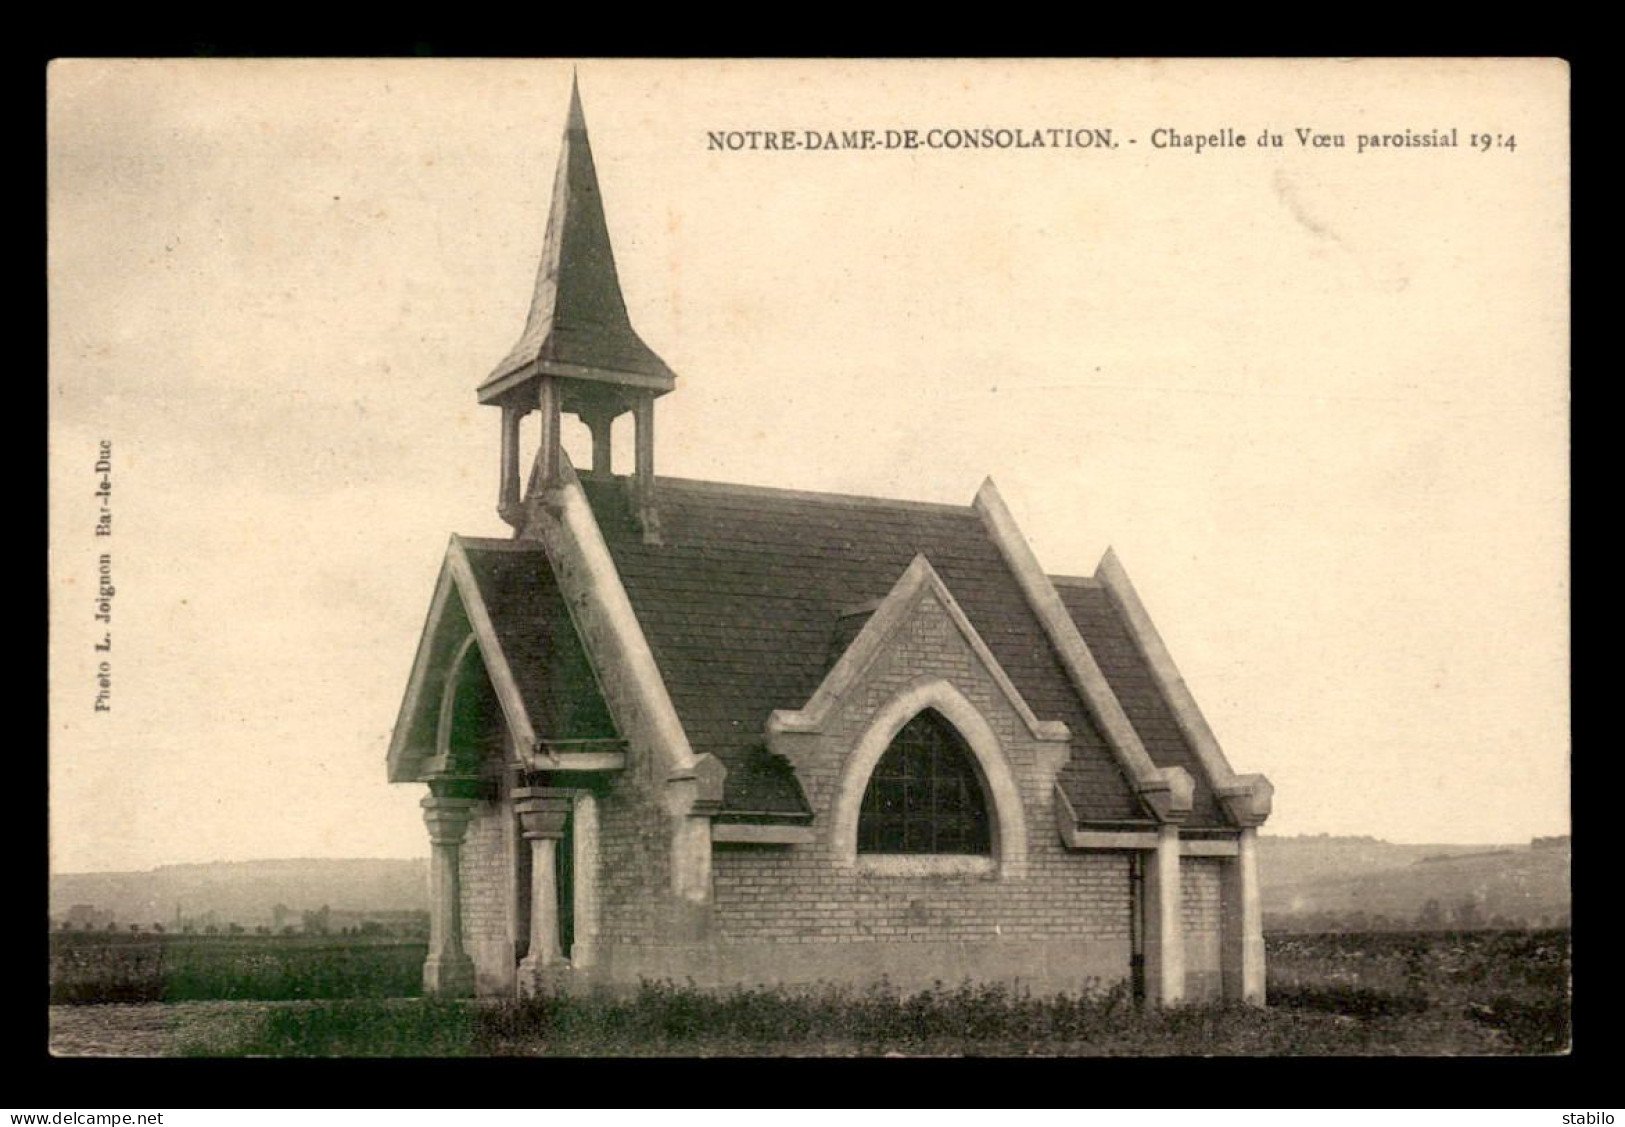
{"points": [[533, 627], [918, 582], [1110, 640], [502, 594], [750, 596], [577, 326]]}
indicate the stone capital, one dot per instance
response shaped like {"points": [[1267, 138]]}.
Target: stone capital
{"points": [[447, 819], [1247, 799], [543, 811], [451, 784], [697, 790], [1169, 793]]}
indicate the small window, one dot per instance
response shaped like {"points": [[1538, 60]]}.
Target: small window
{"points": [[924, 795]]}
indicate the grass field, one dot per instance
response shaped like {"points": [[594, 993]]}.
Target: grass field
{"points": [[112, 967], [1435, 993]]}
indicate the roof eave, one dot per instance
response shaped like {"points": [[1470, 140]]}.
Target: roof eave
{"points": [[1166, 791], [1246, 798], [509, 378], [409, 754]]}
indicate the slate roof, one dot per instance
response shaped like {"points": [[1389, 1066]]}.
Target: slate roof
{"points": [[549, 665], [577, 313], [742, 605], [1102, 625]]}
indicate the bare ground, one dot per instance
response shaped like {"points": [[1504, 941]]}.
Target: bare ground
{"points": [[159, 1029]]}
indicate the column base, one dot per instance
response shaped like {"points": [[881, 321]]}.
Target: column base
{"points": [[448, 977], [537, 977]]}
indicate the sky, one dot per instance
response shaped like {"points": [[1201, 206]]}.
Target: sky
{"points": [[1315, 398]]}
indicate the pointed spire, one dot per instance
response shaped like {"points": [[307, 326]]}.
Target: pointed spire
{"points": [[577, 121], [577, 328]]}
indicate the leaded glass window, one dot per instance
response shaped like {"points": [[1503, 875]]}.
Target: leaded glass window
{"points": [[924, 795]]}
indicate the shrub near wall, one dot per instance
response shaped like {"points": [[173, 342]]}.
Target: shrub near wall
{"points": [[89, 968], [665, 1019]]}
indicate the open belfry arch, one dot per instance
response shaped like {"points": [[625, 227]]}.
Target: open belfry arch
{"points": [[678, 729]]}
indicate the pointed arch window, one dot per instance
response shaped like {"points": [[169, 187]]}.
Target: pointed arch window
{"points": [[925, 794]]}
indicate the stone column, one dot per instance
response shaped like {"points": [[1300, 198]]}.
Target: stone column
{"points": [[644, 420], [508, 499], [543, 812], [585, 836], [1243, 944], [550, 444], [643, 416], [1164, 922], [448, 970], [602, 424]]}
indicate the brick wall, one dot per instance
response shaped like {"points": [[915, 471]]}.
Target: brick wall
{"points": [[634, 852], [1201, 885], [778, 894], [486, 879], [801, 894]]}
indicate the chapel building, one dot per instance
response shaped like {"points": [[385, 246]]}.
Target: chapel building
{"points": [[687, 730]]}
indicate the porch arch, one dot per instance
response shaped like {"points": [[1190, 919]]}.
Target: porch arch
{"points": [[472, 725]]}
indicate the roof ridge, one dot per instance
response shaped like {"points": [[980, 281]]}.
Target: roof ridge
{"points": [[740, 489]]}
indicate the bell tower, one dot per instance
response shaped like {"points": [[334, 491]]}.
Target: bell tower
{"points": [[579, 353]]}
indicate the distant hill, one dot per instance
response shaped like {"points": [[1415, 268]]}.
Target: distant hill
{"points": [[245, 892], [1306, 880], [1305, 877]]}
